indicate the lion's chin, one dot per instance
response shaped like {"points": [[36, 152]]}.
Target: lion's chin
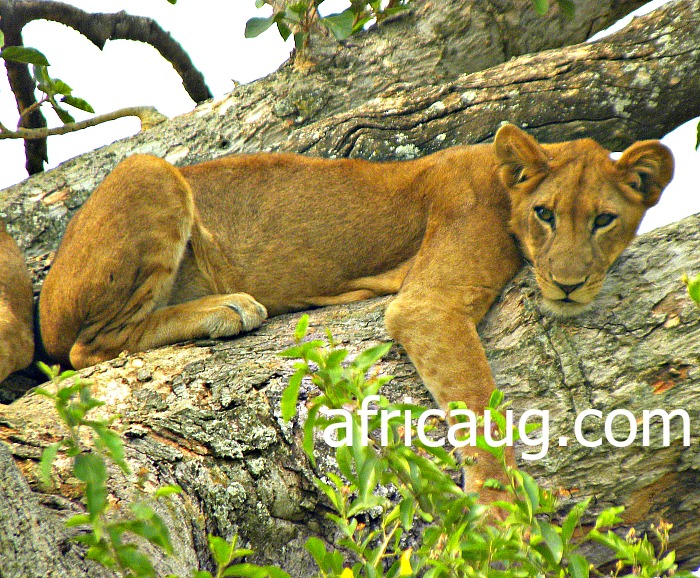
{"points": [[561, 308]]}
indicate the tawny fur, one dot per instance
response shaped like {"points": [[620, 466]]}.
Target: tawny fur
{"points": [[160, 254], [16, 306]]}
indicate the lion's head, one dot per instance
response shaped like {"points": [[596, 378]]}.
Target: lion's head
{"points": [[574, 209]]}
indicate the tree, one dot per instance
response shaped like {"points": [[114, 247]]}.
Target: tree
{"points": [[204, 415]]}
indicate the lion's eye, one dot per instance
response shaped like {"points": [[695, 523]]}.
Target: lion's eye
{"points": [[603, 220], [544, 214]]}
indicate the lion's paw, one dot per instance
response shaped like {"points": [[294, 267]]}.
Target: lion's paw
{"points": [[236, 313]]}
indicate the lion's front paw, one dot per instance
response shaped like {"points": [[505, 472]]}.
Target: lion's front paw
{"points": [[235, 313]]}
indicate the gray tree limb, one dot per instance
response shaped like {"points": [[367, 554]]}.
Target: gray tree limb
{"points": [[206, 415]]}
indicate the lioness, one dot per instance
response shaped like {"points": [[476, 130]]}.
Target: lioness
{"points": [[160, 254], [16, 308]]}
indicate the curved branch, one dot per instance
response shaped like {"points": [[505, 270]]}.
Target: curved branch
{"points": [[148, 116], [100, 27]]}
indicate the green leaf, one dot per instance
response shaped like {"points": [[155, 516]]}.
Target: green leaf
{"points": [[60, 87], [553, 541], [308, 443], [341, 25], [290, 395], [77, 520], [90, 468], [609, 517], [572, 520], [46, 464], [249, 570], [167, 491], [41, 74], [370, 356], [24, 54], [302, 328], [113, 442], [541, 6], [136, 561], [259, 3], [496, 399], [78, 103], [299, 39], [221, 550], [284, 30], [532, 491], [256, 26], [298, 8], [2, 39], [697, 141], [578, 566], [343, 457], [317, 548], [64, 115], [693, 284], [298, 351]]}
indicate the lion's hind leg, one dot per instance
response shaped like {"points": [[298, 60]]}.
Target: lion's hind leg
{"points": [[111, 285], [212, 316]]}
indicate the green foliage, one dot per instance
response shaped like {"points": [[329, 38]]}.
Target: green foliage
{"points": [[53, 88], [430, 527], [107, 530], [693, 286], [24, 54], [458, 536], [298, 18]]}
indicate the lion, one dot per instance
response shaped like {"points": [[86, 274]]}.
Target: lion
{"points": [[16, 308], [160, 254]]}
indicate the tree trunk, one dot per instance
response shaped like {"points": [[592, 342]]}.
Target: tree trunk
{"points": [[641, 83], [206, 415]]}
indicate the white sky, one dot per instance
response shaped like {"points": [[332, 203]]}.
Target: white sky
{"points": [[211, 31]]}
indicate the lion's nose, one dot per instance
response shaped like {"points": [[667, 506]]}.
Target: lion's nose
{"points": [[568, 288]]}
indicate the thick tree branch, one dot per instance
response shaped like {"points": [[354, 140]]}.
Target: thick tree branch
{"points": [[206, 415], [639, 83], [100, 27]]}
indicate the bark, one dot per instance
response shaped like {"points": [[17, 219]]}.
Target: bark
{"points": [[640, 83], [206, 415]]}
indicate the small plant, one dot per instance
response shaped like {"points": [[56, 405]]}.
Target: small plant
{"points": [[457, 537], [53, 88], [300, 17], [108, 530]]}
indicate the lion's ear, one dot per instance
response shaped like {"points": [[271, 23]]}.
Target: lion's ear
{"points": [[646, 168], [519, 155]]}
